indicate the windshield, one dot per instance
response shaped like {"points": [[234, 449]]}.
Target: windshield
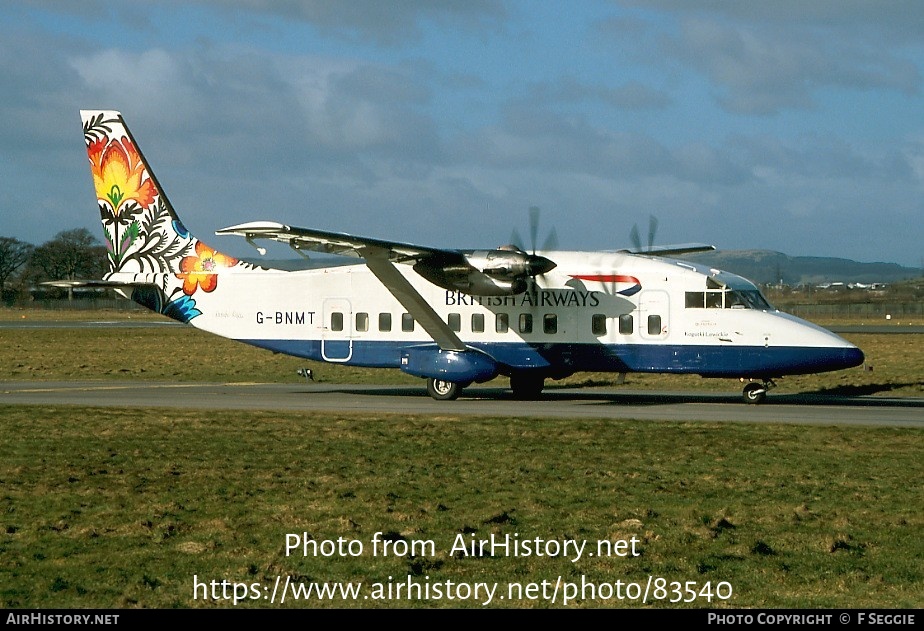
{"points": [[746, 299], [729, 299]]}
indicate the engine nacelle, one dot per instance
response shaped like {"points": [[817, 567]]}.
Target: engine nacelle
{"points": [[456, 366], [470, 281], [500, 263], [484, 272]]}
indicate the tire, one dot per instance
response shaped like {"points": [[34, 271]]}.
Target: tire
{"points": [[443, 390], [526, 387], [754, 393]]}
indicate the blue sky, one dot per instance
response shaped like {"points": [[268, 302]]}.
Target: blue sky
{"points": [[789, 126]]}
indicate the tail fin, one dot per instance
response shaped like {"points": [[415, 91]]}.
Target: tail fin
{"points": [[143, 233]]}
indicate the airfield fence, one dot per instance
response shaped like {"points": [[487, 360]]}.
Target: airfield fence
{"points": [[868, 310]]}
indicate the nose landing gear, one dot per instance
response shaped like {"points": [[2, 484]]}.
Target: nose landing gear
{"points": [[755, 392]]}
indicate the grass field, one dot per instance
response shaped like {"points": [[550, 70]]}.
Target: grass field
{"points": [[122, 508], [127, 508]]}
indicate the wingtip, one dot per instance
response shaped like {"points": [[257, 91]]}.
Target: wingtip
{"points": [[254, 227]]}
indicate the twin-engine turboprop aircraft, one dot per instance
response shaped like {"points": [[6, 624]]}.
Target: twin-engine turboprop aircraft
{"points": [[452, 317]]}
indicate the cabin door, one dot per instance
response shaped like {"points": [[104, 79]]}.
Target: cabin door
{"points": [[337, 333]]}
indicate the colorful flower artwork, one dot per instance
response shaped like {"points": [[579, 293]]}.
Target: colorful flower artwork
{"points": [[143, 233]]}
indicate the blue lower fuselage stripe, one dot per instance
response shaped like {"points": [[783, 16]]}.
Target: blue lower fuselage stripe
{"points": [[558, 359]]}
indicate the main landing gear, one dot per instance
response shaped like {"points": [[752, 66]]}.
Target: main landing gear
{"points": [[525, 387], [755, 392], [443, 390]]}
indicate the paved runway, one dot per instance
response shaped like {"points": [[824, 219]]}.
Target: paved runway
{"points": [[477, 401]]}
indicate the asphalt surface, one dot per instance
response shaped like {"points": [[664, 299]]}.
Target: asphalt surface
{"points": [[476, 401]]}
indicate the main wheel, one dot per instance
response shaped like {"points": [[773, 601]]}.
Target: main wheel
{"points": [[754, 392], [526, 387], [443, 390]]}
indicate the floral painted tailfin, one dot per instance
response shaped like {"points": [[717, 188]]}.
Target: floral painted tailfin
{"points": [[144, 236]]}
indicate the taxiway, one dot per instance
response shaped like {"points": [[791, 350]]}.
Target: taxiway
{"points": [[477, 401]]}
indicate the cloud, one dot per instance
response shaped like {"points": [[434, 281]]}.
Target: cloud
{"points": [[391, 23], [534, 138], [332, 110], [896, 21], [763, 58], [392, 138], [632, 95], [765, 70]]}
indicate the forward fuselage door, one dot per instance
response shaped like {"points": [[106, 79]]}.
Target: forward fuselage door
{"points": [[337, 333]]}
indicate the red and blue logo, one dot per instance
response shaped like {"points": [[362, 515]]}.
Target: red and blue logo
{"points": [[630, 284]]}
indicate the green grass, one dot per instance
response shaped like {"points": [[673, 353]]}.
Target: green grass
{"points": [[121, 508]]}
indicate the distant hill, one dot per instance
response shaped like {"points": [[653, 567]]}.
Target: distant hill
{"points": [[766, 266], [760, 266]]}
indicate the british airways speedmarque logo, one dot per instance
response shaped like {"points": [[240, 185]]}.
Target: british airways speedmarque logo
{"points": [[634, 286]]}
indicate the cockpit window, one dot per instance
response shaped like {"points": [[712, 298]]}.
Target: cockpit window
{"points": [[746, 299], [728, 299]]}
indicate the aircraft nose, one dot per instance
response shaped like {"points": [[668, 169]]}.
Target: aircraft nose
{"points": [[852, 356], [835, 358]]}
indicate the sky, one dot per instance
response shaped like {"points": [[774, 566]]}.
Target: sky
{"points": [[781, 125]]}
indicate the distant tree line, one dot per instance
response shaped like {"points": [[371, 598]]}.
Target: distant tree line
{"points": [[70, 255]]}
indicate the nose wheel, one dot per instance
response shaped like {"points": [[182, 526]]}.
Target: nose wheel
{"points": [[755, 392]]}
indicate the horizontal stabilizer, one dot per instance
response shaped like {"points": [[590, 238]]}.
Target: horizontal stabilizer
{"points": [[98, 284]]}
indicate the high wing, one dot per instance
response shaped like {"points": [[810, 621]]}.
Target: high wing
{"points": [[338, 242], [499, 272], [476, 272], [671, 250]]}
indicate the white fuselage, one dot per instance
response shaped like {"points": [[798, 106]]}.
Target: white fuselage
{"points": [[595, 311]]}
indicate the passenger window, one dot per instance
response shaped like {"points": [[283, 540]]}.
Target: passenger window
{"points": [[502, 323], [407, 322], [477, 323], [362, 322], [336, 321], [550, 323], [526, 323], [626, 324], [455, 322], [385, 322], [654, 325], [598, 324]]}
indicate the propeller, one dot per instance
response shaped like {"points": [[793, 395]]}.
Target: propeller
{"points": [[503, 271], [538, 265], [652, 230]]}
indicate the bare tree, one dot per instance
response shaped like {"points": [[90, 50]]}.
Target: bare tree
{"points": [[13, 255], [71, 254]]}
